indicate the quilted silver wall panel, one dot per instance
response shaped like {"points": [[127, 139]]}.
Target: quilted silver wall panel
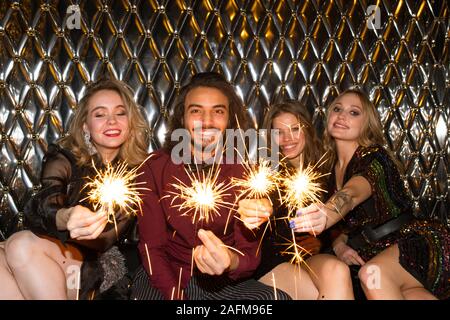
{"points": [[271, 50]]}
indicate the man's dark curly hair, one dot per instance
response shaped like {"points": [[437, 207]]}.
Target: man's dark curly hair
{"points": [[237, 114]]}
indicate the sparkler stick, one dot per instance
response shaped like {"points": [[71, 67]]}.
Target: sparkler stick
{"points": [[295, 250], [148, 259], [274, 286], [192, 262], [179, 283], [78, 284], [231, 248], [295, 284]]}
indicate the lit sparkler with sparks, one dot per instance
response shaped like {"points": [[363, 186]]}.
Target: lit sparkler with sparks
{"points": [[302, 187], [115, 187], [259, 181], [203, 196]]}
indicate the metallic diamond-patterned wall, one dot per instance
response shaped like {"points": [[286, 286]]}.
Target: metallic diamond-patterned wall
{"points": [[271, 50]]}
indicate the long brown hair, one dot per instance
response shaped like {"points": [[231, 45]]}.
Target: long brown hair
{"points": [[313, 147], [372, 130], [133, 150], [237, 113]]}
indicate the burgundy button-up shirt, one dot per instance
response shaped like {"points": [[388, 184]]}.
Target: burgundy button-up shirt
{"points": [[171, 235]]}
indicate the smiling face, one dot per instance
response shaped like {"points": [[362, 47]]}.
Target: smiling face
{"points": [[206, 114], [346, 118], [107, 123], [290, 137]]}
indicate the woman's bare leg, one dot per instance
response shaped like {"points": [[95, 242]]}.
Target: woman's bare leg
{"points": [[418, 294], [384, 278], [293, 280], [10, 289], [41, 267], [322, 277], [331, 277]]}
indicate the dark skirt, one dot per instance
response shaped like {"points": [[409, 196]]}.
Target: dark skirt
{"points": [[424, 252]]}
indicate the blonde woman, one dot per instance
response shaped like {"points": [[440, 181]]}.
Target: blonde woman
{"points": [[66, 234], [401, 257]]}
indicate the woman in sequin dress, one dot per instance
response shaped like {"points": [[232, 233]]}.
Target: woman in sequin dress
{"points": [[401, 257]]}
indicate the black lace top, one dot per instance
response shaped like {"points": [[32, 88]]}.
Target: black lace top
{"points": [[63, 184]]}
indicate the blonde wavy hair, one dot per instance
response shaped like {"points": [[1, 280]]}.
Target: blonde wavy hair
{"points": [[135, 148], [372, 130]]}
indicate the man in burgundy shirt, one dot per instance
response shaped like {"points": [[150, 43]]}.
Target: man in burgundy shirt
{"points": [[185, 255]]}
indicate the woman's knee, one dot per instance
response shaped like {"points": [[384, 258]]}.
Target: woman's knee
{"points": [[370, 275], [20, 247], [335, 268]]}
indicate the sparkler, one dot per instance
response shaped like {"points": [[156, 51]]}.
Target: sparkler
{"points": [[115, 187], [302, 187], [259, 181], [202, 196], [179, 284], [148, 259], [78, 284], [296, 251], [274, 286], [233, 249]]}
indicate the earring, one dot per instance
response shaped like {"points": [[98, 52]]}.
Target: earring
{"points": [[88, 143]]}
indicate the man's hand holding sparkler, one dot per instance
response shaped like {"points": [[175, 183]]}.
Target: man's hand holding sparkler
{"points": [[82, 223], [213, 257], [254, 212]]}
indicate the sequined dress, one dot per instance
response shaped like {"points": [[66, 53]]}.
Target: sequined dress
{"points": [[423, 245]]}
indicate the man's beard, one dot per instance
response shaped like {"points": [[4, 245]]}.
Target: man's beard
{"points": [[207, 148]]}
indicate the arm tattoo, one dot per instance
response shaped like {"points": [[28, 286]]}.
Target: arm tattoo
{"points": [[341, 203]]}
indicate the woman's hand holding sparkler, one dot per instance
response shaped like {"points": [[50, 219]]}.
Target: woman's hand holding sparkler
{"points": [[82, 223], [254, 212], [213, 256], [311, 219]]}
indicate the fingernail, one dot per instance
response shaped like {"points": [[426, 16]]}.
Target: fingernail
{"points": [[292, 224], [299, 213]]}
